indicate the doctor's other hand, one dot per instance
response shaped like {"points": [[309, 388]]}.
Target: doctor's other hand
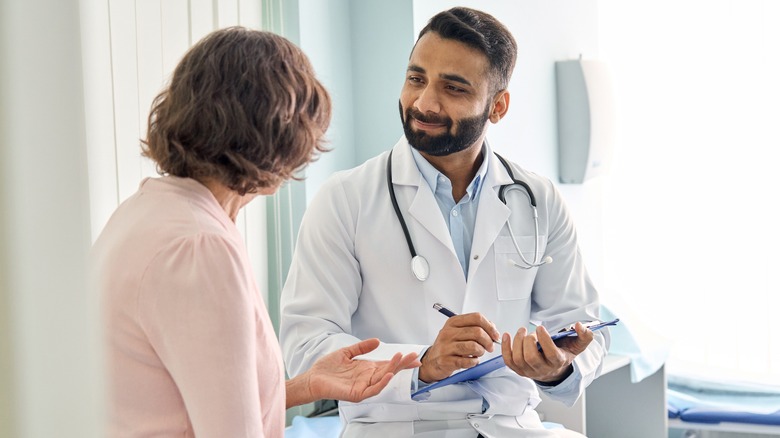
{"points": [[459, 344], [338, 376], [552, 363]]}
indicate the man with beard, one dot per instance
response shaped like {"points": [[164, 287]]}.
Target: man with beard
{"points": [[436, 199]]}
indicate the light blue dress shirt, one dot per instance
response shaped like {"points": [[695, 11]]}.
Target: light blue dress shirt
{"points": [[461, 216]]}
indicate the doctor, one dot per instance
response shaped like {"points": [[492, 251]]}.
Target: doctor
{"points": [[353, 275]]}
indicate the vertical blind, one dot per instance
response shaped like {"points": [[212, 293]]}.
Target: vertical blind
{"points": [[130, 49]]}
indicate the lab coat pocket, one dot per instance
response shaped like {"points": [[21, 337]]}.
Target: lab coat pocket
{"points": [[513, 282]]}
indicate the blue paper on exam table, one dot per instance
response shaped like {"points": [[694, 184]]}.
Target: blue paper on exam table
{"points": [[497, 362]]}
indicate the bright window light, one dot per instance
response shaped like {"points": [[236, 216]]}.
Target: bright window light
{"points": [[692, 221]]}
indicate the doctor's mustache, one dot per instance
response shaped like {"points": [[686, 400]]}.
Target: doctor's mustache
{"points": [[412, 113]]}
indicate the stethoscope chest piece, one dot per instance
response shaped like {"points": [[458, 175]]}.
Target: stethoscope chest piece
{"points": [[420, 267]]}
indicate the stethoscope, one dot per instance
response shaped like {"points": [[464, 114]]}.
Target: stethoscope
{"points": [[420, 267]]}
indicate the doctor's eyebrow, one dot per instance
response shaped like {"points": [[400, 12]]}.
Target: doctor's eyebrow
{"points": [[446, 76], [415, 68], [455, 78]]}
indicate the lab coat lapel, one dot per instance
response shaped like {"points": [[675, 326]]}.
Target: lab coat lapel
{"points": [[423, 207], [492, 214]]}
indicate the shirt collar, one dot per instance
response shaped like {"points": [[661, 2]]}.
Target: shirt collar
{"points": [[431, 174]]}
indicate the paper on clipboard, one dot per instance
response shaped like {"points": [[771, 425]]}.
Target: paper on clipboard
{"points": [[497, 362]]}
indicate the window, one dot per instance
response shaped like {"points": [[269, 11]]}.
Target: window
{"points": [[692, 228]]}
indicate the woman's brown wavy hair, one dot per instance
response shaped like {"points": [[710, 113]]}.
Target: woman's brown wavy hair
{"points": [[243, 107]]}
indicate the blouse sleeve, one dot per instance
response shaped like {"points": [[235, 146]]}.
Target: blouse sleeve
{"points": [[198, 310]]}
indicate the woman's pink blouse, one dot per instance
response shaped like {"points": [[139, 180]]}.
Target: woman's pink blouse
{"points": [[190, 347]]}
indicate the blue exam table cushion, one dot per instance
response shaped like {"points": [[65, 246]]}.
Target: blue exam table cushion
{"points": [[330, 427], [318, 427], [722, 406], [714, 416]]}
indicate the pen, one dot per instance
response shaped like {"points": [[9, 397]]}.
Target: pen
{"points": [[443, 310], [449, 314]]}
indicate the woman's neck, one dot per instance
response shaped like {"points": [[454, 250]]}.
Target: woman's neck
{"points": [[229, 199]]}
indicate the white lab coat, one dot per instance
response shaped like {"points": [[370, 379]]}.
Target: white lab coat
{"points": [[351, 279]]}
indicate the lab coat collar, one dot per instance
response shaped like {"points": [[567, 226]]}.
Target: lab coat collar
{"points": [[496, 175], [405, 170], [423, 207], [492, 214]]}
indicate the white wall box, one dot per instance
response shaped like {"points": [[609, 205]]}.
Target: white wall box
{"points": [[585, 111]]}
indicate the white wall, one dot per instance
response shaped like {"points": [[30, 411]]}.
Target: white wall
{"points": [[54, 356], [382, 40], [362, 65], [325, 37]]}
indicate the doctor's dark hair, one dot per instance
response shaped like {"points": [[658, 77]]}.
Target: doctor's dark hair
{"points": [[483, 32], [243, 108]]}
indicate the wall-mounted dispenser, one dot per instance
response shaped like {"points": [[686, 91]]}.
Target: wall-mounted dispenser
{"points": [[585, 119]]}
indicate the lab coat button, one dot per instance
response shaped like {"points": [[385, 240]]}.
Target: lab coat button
{"points": [[476, 257]]}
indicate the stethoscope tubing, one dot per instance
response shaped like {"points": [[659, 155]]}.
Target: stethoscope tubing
{"points": [[420, 267], [419, 264], [395, 205]]}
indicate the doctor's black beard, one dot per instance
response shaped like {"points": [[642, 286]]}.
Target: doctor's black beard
{"points": [[467, 132]]}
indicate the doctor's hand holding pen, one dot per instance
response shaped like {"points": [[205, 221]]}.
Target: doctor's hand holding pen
{"points": [[465, 338], [536, 356], [459, 344]]}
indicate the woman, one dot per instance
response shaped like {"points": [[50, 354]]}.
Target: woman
{"points": [[191, 348]]}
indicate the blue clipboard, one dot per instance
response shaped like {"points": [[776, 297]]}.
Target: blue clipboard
{"points": [[596, 325], [497, 362]]}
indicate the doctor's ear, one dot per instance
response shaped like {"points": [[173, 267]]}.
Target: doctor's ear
{"points": [[500, 106]]}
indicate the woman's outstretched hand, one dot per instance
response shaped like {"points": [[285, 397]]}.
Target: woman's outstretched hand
{"points": [[339, 376]]}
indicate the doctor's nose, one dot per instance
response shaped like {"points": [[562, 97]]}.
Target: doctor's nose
{"points": [[427, 101]]}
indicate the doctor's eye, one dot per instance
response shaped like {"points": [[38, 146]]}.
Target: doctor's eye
{"points": [[415, 79]]}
